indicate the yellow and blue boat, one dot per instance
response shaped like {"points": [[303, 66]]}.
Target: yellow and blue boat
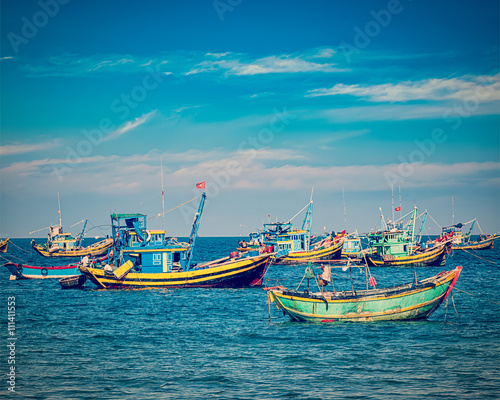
{"points": [[149, 259], [63, 244], [295, 245]]}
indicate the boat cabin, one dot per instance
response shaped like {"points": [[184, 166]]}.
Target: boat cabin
{"points": [[150, 250]]}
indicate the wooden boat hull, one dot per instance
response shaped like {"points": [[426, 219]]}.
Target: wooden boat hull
{"points": [[20, 271], [434, 257], [233, 273], [332, 252], [73, 282], [3, 245], [483, 245], [399, 303], [95, 250]]}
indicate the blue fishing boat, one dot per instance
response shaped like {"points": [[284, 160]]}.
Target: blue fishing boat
{"points": [[150, 259], [296, 245], [24, 271], [463, 241]]}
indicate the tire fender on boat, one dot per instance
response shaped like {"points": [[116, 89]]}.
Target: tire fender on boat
{"points": [[44, 272]]}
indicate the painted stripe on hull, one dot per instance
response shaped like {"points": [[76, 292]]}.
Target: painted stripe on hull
{"points": [[479, 246], [427, 259], [330, 253], [93, 251]]}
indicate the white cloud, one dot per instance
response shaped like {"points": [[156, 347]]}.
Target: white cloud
{"points": [[16, 149], [128, 126], [232, 65], [467, 88]]}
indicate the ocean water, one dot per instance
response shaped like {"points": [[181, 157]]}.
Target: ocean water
{"points": [[220, 343]]}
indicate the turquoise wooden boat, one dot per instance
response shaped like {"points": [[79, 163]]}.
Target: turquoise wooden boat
{"points": [[411, 301]]}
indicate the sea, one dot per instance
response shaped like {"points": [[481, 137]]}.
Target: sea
{"points": [[227, 344]]}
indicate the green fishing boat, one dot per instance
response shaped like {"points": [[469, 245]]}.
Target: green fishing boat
{"points": [[411, 301], [395, 246]]}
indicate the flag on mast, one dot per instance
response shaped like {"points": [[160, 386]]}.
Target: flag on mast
{"points": [[397, 209], [200, 185]]}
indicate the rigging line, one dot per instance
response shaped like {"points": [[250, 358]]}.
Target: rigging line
{"points": [[477, 222], [26, 251], [290, 220], [481, 258], [434, 220], [453, 301], [470, 294], [172, 209], [20, 259]]}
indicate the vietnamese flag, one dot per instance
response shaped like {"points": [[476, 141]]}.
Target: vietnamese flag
{"points": [[200, 185], [397, 209]]}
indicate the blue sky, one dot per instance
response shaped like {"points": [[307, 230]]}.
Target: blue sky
{"points": [[262, 100]]}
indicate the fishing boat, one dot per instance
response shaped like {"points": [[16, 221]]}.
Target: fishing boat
{"points": [[62, 244], [416, 300], [295, 245], [3, 245], [150, 259], [23, 271], [398, 246], [463, 241], [73, 282], [353, 246]]}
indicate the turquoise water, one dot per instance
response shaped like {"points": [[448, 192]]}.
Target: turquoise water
{"points": [[219, 343]]}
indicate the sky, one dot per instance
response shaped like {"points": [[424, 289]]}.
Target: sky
{"points": [[358, 102]]}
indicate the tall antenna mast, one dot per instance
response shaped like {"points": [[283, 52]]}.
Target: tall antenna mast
{"points": [[400, 209], [162, 195], [392, 189], [59, 210], [452, 212], [345, 214]]}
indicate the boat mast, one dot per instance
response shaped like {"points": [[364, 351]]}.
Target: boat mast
{"points": [[162, 195], [59, 210], [345, 214], [392, 190], [422, 226], [452, 212], [400, 209], [307, 223], [194, 229]]}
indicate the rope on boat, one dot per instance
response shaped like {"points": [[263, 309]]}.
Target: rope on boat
{"points": [[484, 259], [453, 301], [15, 245], [172, 209], [479, 297], [22, 261]]}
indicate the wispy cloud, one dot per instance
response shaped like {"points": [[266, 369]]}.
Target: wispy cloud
{"points": [[234, 64], [478, 88], [17, 149], [129, 125]]}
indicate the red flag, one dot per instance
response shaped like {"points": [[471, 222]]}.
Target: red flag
{"points": [[397, 209], [200, 185]]}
